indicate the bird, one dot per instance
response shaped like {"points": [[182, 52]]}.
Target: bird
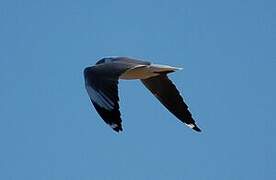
{"points": [[101, 83]]}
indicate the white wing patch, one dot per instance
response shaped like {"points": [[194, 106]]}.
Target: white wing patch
{"points": [[113, 125], [190, 125], [100, 98]]}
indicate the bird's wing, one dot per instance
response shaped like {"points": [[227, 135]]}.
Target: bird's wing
{"points": [[101, 83], [165, 91]]}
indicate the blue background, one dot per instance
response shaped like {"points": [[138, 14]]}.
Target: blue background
{"points": [[49, 129]]}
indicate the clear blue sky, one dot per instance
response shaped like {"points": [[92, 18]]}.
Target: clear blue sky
{"points": [[49, 129]]}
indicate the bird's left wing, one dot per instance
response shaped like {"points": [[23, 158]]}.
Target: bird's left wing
{"points": [[101, 83]]}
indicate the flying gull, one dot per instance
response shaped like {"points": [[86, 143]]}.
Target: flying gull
{"points": [[101, 82]]}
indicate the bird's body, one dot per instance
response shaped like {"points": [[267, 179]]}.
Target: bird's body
{"points": [[101, 83], [146, 71]]}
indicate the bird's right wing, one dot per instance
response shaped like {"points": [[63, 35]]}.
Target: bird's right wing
{"points": [[166, 92]]}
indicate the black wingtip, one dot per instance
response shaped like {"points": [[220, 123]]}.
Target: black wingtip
{"points": [[117, 129], [196, 129]]}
